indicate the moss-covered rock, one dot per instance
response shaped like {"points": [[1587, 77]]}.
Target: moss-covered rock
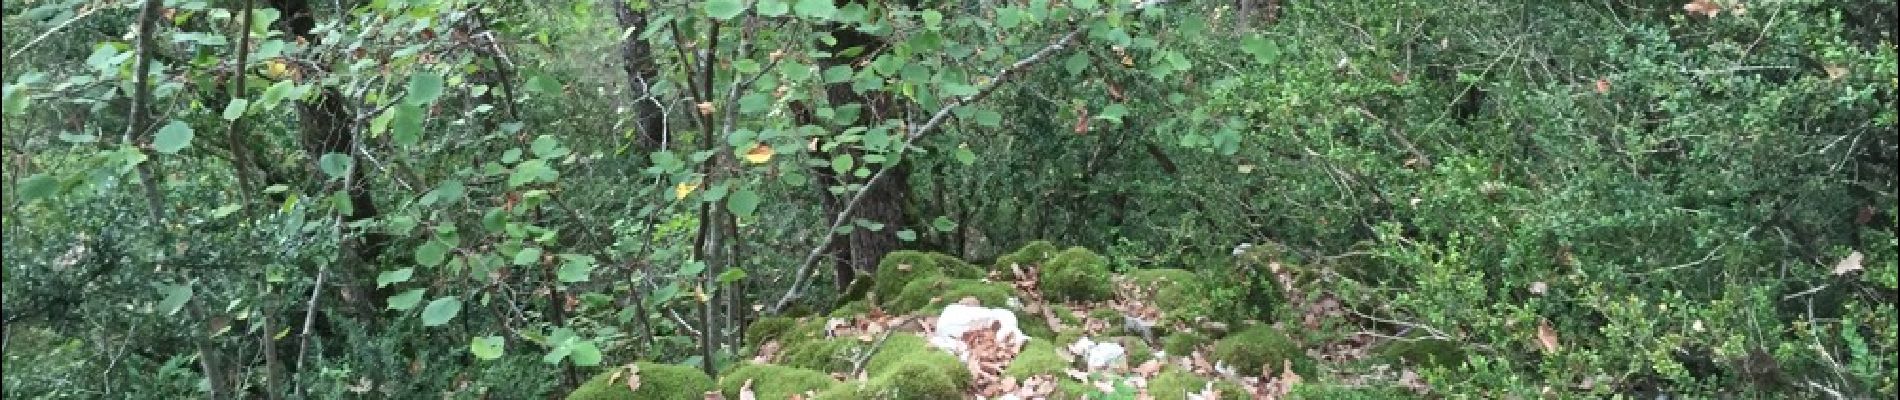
{"points": [[1039, 357], [851, 309], [1070, 389], [907, 368], [1175, 384], [774, 381], [1327, 391], [1066, 315], [1032, 253], [766, 329], [657, 381], [1182, 343], [1034, 325], [1076, 274], [928, 295], [829, 355], [1423, 352], [900, 268], [1178, 293], [1259, 346]]}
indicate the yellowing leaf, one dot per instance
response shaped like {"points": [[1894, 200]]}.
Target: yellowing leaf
{"points": [[276, 69], [1705, 7], [633, 377], [759, 154], [683, 189]]}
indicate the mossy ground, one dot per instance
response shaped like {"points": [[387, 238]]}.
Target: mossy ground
{"points": [[1175, 384], [1038, 357], [657, 381], [1031, 254], [1076, 274], [774, 381], [928, 295], [1260, 346], [900, 268]]}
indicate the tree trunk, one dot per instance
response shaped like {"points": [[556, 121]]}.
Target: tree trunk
{"points": [[883, 204], [637, 57], [328, 126]]}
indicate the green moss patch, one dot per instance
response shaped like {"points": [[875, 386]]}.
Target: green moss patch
{"points": [[900, 268], [1039, 357], [766, 329], [657, 381], [1032, 253], [1175, 384], [1260, 346], [928, 295], [829, 355], [1182, 343], [1076, 274], [775, 381], [1178, 293]]}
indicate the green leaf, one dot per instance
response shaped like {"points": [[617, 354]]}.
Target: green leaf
{"points": [[773, 8], [943, 224], [1264, 50], [407, 300], [175, 298], [235, 109], [432, 253], [965, 156], [841, 163], [544, 84], [16, 99], [1113, 112], [1084, 4], [441, 310], [932, 18], [987, 118], [692, 268], [724, 9], [743, 203], [173, 137], [754, 103], [77, 138], [575, 270], [528, 256], [1076, 63], [487, 347], [731, 275], [38, 186], [818, 9], [528, 172], [334, 164], [544, 146], [225, 210], [405, 124], [393, 277], [424, 88], [907, 235], [585, 353]]}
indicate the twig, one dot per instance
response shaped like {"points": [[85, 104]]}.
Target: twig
{"points": [[309, 320], [943, 114], [83, 13]]}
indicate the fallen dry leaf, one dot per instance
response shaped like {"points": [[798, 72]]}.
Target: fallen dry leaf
{"points": [[1547, 336], [1603, 86], [1705, 7], [745, 391], [1835, 72], [633, 377], [768, 351], [1850, 264], [1149, 368]]}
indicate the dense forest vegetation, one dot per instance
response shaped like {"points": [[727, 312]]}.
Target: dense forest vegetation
{"points": [[670, 199]]}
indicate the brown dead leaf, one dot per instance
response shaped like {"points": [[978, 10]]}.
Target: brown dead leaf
{"points": [[768, 351], [1603, 86], [1850, 264], [705, 108], [1705, 7], [970, 301], [633, 377], [1149, 368], [715, 395], [1835, 72], [1547, 336]]}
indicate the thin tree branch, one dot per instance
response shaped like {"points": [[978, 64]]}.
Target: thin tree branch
{"points": [[943, 114]]}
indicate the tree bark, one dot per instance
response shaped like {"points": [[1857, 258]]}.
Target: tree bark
{"points": [[637, 57], [326, 125], [883, 203]]}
